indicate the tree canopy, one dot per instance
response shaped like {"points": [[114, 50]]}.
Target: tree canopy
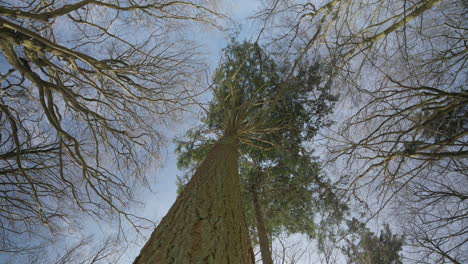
{"points": [[372, 248], [87, 88], [279, 174]]}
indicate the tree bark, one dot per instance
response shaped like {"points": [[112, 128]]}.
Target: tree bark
{"points": [[206, 224], [261, 231]]}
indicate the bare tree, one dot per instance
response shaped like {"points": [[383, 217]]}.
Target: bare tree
{"points": [[86, 250], [86, 88], [435, 213], [288, 252], [401, 72]]}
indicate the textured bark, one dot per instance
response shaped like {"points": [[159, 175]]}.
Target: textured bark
{"points": [[262, 231], [206, 224]]}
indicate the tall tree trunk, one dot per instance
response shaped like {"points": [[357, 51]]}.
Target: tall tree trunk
{"points": [[206, 224], [261, 230]]}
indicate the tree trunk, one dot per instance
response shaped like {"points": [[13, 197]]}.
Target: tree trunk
{"points": [[206, 224], [261, 231]]}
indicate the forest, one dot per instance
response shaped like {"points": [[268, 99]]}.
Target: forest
{"points": [[223, 131]]}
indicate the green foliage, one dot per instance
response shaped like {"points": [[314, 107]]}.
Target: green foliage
{"points": [[273, 113], [292, 192], [371, 249], [243, 85]]}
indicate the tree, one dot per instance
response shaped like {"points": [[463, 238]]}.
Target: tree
{"points": [[85, 87], [372, 249], [282, 184], [84, 251], [248, 93], [402, 66], [434, 212], [206, 224], [284, 194]]}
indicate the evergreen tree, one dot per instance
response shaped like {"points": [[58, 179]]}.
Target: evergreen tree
{"points": [[370, 248], [281, 180]]}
